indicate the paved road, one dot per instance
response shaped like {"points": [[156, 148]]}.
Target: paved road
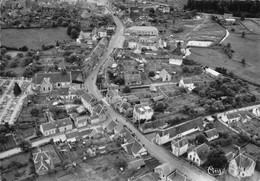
{"points": [[155, 150]]}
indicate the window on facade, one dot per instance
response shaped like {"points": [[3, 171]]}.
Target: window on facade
{"points": [[190, 156], [58, 84], [43, 88], [49, 88]]}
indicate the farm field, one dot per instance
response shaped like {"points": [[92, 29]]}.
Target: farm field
{"points": [[203, 29], [32, 38], [244, 48], [252, 26]]}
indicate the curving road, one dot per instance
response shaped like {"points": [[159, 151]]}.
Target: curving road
{"points": [[157, 151]]}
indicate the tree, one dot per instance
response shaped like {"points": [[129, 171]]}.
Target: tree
{"points": [[243, 34], [243, 61], [77, 101], [120, 164], [2, 138], [201, 138], [160, 106], [217, 159], [69, 30], [17, 90], [126, 89], [151, 74], [74, 33], [242, 17], [25, 146]]}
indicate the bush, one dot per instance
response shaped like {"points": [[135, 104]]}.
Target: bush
{"points": [[126, 89], [160, 106], [151, 74]]}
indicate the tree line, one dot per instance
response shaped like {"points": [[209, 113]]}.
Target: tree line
{"points": [[249, 8]]}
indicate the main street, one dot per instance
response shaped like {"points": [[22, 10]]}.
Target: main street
{"points": [[157, 151]]}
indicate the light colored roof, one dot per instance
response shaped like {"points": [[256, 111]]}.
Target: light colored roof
{"points": [[212, 72], [164, 73], [175, 61], [63, 122], [143, 28], [81, 119], [243, 161]]}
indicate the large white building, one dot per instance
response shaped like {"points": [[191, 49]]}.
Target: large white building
{"points": [[142, 111], [143, 30]]}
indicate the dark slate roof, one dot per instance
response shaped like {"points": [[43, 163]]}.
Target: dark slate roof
{"points": [[178, 129], [111, 125], [63, 122], [54, 76], [48, 126], [202, 151], [73, 134], [211, 133], [88, 97]]}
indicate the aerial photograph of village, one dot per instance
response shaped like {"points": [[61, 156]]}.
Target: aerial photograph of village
{"points": [[130, 90]]}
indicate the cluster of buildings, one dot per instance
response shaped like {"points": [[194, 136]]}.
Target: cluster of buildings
{"points": [[241, 164], [130, 143]]}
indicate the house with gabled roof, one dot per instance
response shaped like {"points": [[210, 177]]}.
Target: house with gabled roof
{"points": [[132, 79], [242, 166], [47, 82], [164, 170], [187, 83], [72, 136], [231, 117], [166, 76], [179, 147], [45, 159], [134, 147], [123, 107], [113, 97], [166, 135], [64, 124], [102, 33], [87, 99], [81, 121], [48, 128], [42, 162], [142, 112], [176, 175], [199, 154], [110, 126], [211, 134]]}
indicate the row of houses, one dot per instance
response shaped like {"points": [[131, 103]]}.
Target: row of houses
{"points": [[243, 116]]}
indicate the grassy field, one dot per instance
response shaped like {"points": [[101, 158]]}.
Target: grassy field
{"points": [[32, 38], [10, 143], [247, 48], [252, 26]]}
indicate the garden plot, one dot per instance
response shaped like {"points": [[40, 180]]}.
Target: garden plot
{"points": [[199, 30], [169, 90]]}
